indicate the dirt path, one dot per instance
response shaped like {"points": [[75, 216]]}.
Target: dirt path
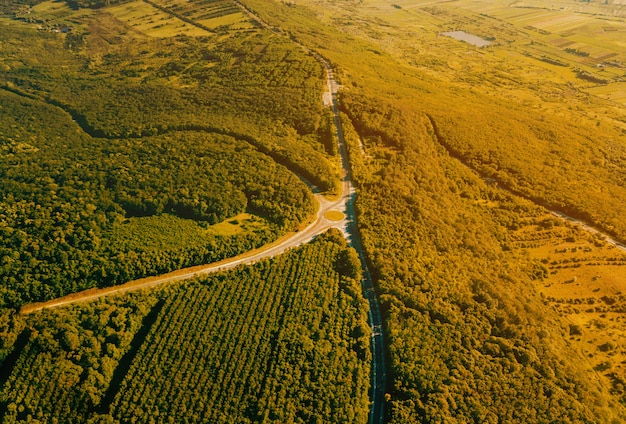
{"points": [[590, 229]]}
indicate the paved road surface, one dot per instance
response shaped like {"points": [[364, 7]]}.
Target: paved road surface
{"points": [[351, 231], [291, 240]]}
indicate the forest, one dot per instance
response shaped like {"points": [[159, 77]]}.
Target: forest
{"points": [[484, 337], [284, 340], [97, 136], [127, 154], [53, 244]]}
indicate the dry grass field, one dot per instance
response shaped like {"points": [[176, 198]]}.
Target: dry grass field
{"points": [[532, 48], [59, 13], [137, 32], [578, 37]]}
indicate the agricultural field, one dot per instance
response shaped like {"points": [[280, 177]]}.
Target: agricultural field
{"points": [[563, 42], [284, 340], [194, 19], [152, 21], [210, 13]]}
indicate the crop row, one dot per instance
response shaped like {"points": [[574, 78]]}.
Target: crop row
{"points": [[67, 362]]}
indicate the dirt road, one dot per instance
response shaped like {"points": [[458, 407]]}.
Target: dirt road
{"points": [[320, 224], [590, 229]]}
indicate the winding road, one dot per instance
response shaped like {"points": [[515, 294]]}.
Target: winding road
{"points": [[291, 240], [348, 226]]}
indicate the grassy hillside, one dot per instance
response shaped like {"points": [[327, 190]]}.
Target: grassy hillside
{"points": [[281, 341]]}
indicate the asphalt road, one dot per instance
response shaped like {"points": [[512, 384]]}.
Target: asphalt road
{"points": [[320, 225], [351, 231]]}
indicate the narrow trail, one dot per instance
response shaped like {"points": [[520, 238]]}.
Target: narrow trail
{"points": [[348, 226], [585, 226]]}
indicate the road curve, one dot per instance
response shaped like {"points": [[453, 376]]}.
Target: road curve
{"points": [[318, 226]]}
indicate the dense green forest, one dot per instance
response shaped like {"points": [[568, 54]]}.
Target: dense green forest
{"points": [[125, 156], [252, 86], [284, 340], [528, 145], [488, 349], [102, 135], [66, 194]]}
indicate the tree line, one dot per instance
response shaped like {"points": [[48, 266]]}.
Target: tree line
{"points": [[88, 146]]}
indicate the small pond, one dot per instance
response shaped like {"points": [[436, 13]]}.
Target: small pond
{"points": [[467, 37]]}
